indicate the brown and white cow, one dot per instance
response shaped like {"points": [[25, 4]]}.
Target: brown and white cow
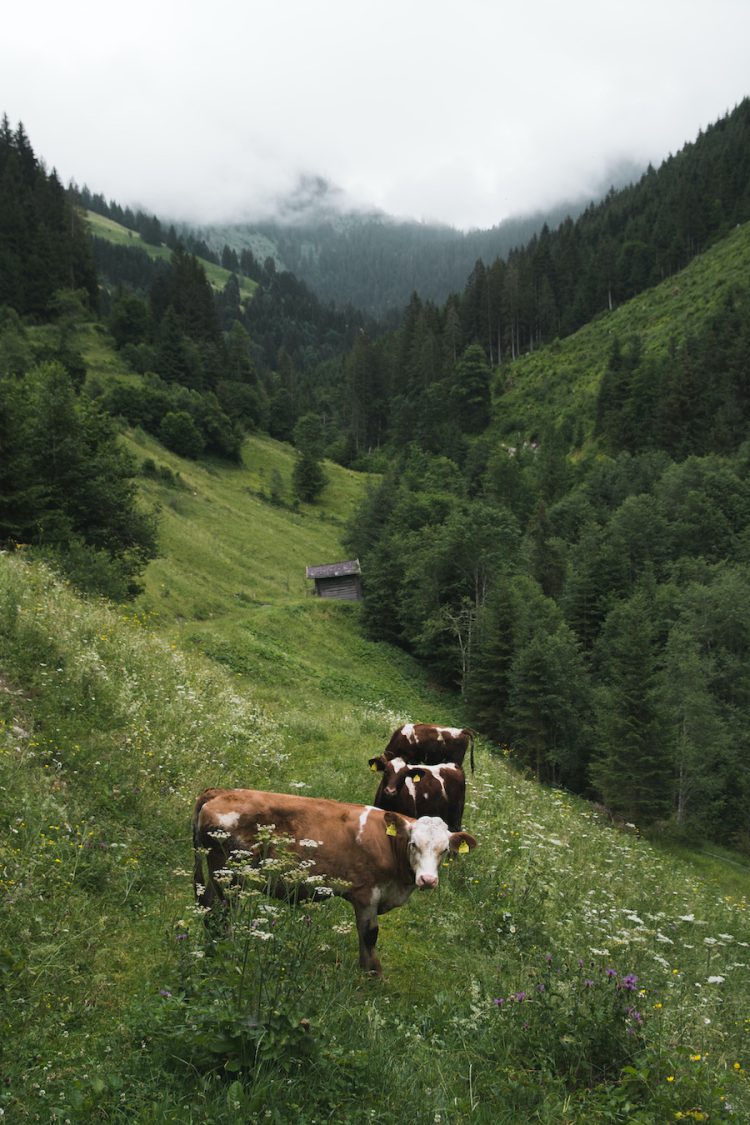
{"points": [[382, 856], [425, 742], [422, 790]]}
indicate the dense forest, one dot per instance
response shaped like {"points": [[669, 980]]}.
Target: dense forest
{"points": [[583, 588], [67, 489], [581, 583]]}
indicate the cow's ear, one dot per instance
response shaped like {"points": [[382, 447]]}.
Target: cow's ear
{"points": [[377, 764], [461, 842], [395, 825]]}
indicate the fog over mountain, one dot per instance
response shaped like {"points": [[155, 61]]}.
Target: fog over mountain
{"points": [[460, 115]]}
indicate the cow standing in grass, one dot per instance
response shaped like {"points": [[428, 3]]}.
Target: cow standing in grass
{"points": [[427, 743], [422, 790], [374, 858]]}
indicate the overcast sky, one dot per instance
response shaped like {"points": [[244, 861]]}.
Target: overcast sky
{"points": [[464, 111]]}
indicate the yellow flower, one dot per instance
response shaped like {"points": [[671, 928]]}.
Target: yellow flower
{"points": [[670, 1078], [658, 1004], [695, 1058]]}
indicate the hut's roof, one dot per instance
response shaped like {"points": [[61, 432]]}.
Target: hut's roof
{"points": [[333, 570]]}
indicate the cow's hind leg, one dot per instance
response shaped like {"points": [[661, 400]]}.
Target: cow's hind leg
{"points": [[367, 929]]}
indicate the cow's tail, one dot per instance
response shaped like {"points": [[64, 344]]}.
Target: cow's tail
{"points": [[471, 734], [201, 870]]}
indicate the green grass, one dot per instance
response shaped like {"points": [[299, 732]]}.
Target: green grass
{"points": [[225, 671], [561, 380], [108, 229]]}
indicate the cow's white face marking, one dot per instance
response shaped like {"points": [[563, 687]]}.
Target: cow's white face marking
{"points": [[411, 788], [408, 732], [428, 843], [363, 821], [398, 764], [228, 819]]}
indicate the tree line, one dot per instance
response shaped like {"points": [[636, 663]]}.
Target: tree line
{"points": [[596, 625]]}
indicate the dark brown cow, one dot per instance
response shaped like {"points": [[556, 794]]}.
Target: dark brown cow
{"points": [[425, 742], [382, 856], [422, 790]]}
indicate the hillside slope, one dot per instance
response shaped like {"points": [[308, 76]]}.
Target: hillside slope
{"points": [[559, 382], [101, 227], [510, 994]]}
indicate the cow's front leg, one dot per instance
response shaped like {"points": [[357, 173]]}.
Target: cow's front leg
{"points": [[367, 929]]}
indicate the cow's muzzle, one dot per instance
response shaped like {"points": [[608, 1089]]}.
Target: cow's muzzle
{"points": [[425, 880]]}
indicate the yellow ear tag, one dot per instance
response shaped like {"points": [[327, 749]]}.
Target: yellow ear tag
{"points": [[463, 847], [417, 777], [374, 768], [391, 831]]}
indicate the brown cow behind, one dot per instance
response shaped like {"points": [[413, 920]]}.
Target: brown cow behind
{"points": [[380, 856], [422, 790], [427, 743]]}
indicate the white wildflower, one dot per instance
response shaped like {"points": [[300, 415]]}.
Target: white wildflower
{"points": [[715, 980]]}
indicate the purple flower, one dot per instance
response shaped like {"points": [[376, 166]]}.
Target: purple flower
{"points": [[180, 937], [164, 992], [540, 988], [520, 997], [611, 973], [499, 1000], [630, 982], [588, 983]]}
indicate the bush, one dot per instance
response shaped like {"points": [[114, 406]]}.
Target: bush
{"points": [[179, 433]]}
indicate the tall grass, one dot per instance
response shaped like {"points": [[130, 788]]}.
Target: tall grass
{"points": [[108, 732]]}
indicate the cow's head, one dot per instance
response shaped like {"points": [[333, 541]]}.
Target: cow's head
{"points": [[395, 771], [427, 840]]}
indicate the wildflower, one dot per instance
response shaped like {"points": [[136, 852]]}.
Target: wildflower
{"points": [[658, 1004], [715, 980], [670, 1078], [611, 973], [588, 983], [164, 992], [520, 997], [695, 1058], [629, 982], [499, 1001]]}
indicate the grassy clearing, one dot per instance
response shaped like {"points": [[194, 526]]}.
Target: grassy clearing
{"points": [[563, 972], [108, 229], [561, 380]]}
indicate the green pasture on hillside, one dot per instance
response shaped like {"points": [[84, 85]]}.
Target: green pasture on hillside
{"points": [[559, 382], [102, 227], [562, 972]]}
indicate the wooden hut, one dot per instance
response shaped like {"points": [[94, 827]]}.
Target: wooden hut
{"points": [[341, 580]]}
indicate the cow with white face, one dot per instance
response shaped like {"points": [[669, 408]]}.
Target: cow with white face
{"points": [[377, 857]]}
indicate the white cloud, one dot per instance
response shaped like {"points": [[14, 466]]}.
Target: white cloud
{"points": [[459, 110]]}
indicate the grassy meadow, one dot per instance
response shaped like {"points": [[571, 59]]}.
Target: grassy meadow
{"points": [[563, 971], [111, 231], [560, 381]]}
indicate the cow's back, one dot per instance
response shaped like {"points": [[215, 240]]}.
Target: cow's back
{"points": [[345, 841]]}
